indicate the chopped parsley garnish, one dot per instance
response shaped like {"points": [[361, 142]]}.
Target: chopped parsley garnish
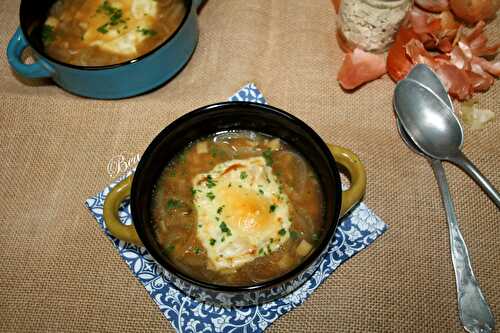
{"points": [[182, 158], [193, 191], [267, 154], [243, 175], [197, 250], [210, 182], [219, 210], [213, 152], [103, 29], [269, 249], [173, 203], [260, 191], [199, 226], [212, 242], [294, 234], [47, 34], [106, 8], [261, 252], [146, 32], [223, 227], [168, 249], [272, 208], [210, 195], [115, 16], [282, 232], [222, 239]]}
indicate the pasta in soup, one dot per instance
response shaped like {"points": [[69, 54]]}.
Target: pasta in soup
{"points": [[238, 208], [107, 32]]}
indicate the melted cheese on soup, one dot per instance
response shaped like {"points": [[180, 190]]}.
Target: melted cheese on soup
{"points": [[120, 26], [242, 212]]}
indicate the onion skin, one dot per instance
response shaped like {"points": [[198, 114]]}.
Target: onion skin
{"points": [[336, 4], [398, 63], [472, 11]]}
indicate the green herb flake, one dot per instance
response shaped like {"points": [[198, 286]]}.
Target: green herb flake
{"points": [[210, 195], [219, 210], [116, 17], [269, 249], [261, 192], [243, 175], [212, 242], [168, 249], [294, 234], [197, 250], [315, 237], [272, 208], [173, 203], [47, 34], [103, 29], [223, 227], [200, 226], [193, 191], [147, 32], [267, 154], [282, 232], [213, 151], [106, 8], [210, 182], [172, 173], [261, 252]]}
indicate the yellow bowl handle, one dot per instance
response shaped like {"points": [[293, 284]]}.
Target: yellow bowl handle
{"points": [[357, 174], [120, 192]]}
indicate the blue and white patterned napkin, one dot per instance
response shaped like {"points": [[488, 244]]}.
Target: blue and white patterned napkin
{"points": [[355, 232]]}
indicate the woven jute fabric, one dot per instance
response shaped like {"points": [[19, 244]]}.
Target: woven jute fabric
{"points": [[58, 271]]}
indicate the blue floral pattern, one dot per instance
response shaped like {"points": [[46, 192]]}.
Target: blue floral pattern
{"points": [[355, 232]]}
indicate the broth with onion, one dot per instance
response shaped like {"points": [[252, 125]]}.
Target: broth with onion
{"points": [[238, 208], [107, 32]]}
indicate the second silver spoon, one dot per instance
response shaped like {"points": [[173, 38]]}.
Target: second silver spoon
{"points": [[475, 314]]}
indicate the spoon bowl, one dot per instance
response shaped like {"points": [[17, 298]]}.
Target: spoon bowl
{"points": [[424, 75], [427, 120]]}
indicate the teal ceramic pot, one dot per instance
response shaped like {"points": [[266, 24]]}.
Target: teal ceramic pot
{"points": [[127, 79]]}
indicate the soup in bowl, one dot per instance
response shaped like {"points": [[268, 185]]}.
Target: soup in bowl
{"points": [[238, 202], [105, 49], [108, 32]]}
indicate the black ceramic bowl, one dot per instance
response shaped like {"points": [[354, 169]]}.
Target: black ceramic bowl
{"points": [[228, 117]]}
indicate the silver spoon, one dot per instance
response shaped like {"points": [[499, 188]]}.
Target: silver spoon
{"points": [[473, 309], [433, 127]]}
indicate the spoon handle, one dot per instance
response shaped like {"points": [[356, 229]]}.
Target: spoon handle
{"points": [[465, 164], [474, 311]]}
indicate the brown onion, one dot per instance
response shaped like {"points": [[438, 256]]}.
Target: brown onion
{"points": [[472, 11]]}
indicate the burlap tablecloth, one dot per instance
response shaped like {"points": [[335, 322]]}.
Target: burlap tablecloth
{"points": [[59, 273]]}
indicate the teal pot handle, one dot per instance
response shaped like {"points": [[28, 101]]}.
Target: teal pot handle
{"points": [[17, 45]]}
